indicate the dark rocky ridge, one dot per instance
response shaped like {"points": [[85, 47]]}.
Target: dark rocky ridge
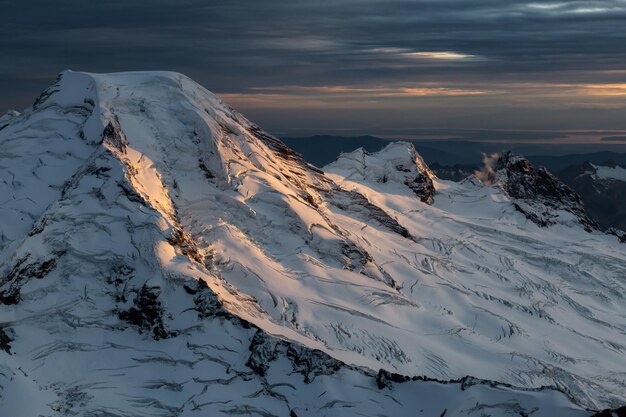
{"points": [[147, 313], [536, 193], [616, 412], [21, 272], [604, 198], [423, 187], [5, 341]]}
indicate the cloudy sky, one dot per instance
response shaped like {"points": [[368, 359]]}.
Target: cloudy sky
{"points": [[354, 66]]}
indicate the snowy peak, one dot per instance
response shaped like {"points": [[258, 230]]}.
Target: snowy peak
{"points": [[228, 143], [609, 171], [602, 187], [171, 257], [536, 193], [220, 185], [396, 165]]}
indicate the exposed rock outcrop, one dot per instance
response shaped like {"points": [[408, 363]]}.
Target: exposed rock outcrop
{"points": [[535, 192]]}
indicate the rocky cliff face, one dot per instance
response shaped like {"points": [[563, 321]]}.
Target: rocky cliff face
{"points": [[161, 255], [536, 193], [602, 187]]}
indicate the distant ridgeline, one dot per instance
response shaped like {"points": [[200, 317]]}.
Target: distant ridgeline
{"points": [[603, 197]]}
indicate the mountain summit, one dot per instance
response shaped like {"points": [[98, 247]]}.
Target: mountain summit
{"points": [[536, 193], [160, 255]]}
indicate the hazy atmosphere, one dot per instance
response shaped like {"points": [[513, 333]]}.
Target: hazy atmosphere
{"points": [[427, 69]]}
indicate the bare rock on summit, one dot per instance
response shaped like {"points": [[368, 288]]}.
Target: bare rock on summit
{"points": [[536, 192]]}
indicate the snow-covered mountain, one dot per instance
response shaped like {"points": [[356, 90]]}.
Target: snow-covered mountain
{"points": [[603, 189], [160, 255]]}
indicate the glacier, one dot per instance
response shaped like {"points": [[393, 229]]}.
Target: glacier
{"points": [[161, 255]]}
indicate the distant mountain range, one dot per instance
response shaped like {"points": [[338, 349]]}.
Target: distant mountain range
{"points": [[602, 188], [605, 198], [322, 150]]}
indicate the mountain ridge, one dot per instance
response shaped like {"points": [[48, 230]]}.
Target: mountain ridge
{"points": [[146, 199], [324, 149]]}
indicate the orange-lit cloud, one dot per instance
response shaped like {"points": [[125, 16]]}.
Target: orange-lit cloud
{"points": [[314, 96], [424, 55], [445, 55], [329, 96], [589, 90], [425, 90], [604, 89]]}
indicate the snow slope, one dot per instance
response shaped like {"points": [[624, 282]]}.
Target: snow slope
{"points": [[162, 255], [608, 172]]}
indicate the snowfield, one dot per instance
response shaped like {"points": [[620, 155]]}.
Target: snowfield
{"points": [[160, 255], [614, 173]]}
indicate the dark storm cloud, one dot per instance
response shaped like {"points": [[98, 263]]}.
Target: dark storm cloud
{"points": [[238, 47]]}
